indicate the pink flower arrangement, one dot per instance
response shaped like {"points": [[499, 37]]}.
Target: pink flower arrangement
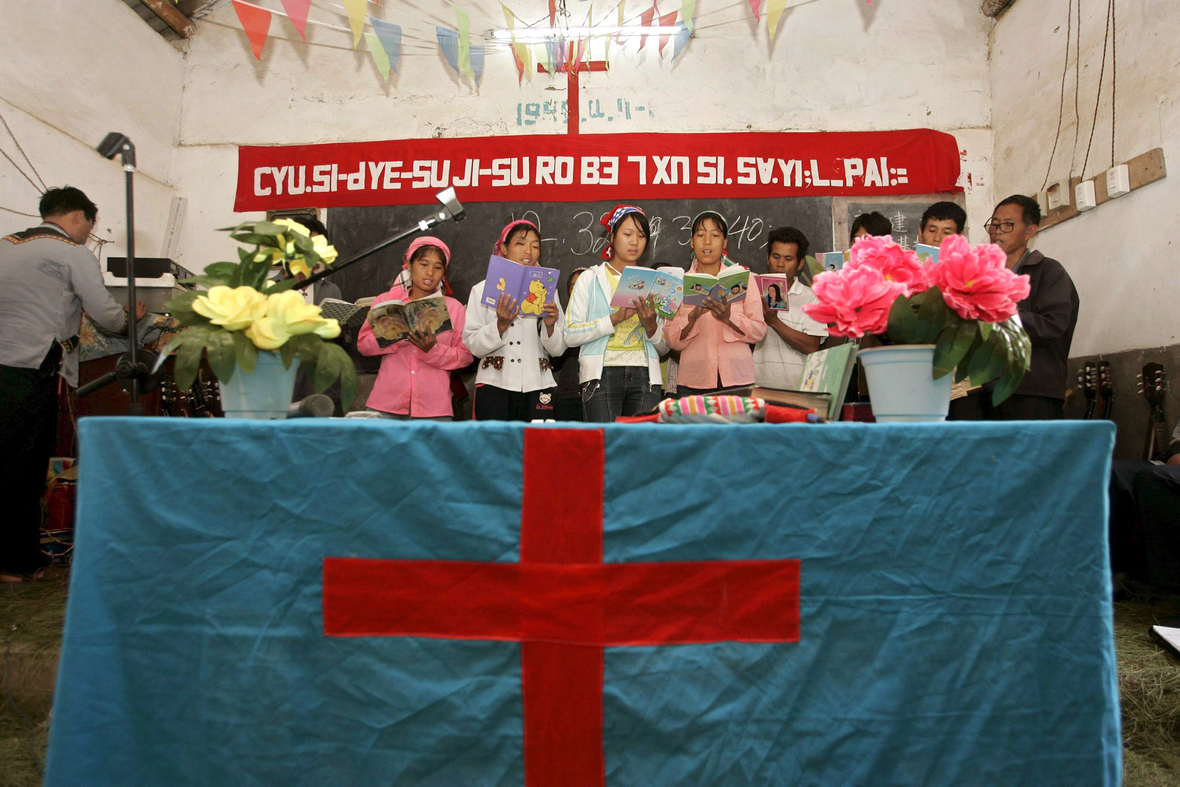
{"points": [[977, 283], [854, 301], [894, 262]]}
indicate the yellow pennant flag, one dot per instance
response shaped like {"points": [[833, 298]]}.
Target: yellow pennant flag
{"points": [[688, 9], [380, 56], [356, 18], [520, 52], [526, 56], [774, 13], [464, 25]]}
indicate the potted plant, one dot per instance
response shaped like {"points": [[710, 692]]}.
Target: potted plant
{"points": [[952, 319], [256, 330]]}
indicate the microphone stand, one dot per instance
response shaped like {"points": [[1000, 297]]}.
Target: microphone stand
{"points": [[131, 372], [451, 209]]}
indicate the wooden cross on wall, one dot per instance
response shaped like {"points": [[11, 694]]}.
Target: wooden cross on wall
{"points": [[573, 110]]}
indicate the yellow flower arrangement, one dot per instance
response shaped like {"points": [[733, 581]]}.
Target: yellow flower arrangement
{"points": [[244, 312]]}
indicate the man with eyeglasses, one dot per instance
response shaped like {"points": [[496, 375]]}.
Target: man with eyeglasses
{"points": [[1049, 315]]}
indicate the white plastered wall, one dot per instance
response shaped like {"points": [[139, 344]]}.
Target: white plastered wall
{"points": [[1121, 255], [70, 72], [836, 65]]}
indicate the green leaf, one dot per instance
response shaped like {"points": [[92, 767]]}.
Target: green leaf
{"points": [[237, 227], [282, 285], [209, 281], [183, 302], [903, 321], [287, 353], [1008, 384], [269, 228], [222, 270], [220, 349], [184, 370], [985, 329], [327, 367], [932, 316], [348, 382], [245, 353], [953, 343]]}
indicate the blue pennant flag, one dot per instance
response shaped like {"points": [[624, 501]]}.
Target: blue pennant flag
{"points": [[680, 38], [448, 42], [477, 62], [391, 38]]}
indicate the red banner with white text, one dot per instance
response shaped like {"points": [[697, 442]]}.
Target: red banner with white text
{"points": [[561, 168]]}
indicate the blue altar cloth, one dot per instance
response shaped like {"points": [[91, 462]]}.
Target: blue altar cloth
{"points": [[956, 617]]}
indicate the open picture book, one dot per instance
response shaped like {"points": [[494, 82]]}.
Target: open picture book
{"points": [[392, 321]]}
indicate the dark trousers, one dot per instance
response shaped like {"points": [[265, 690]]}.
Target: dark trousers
{"points": [[621, 391], [977, 406], [28, 421], [1145, 522], [683, 391], [497, 404]]}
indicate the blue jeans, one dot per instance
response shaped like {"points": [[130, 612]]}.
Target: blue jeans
{"points": [[622, 390]]}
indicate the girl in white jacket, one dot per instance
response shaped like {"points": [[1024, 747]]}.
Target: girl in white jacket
{"points": [[514, 381], [619, 364]]}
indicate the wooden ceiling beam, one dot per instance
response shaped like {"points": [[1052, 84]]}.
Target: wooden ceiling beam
{"points": [[167, 11]]}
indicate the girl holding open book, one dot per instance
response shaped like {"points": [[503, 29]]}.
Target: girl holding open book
{"points": [[515, 378], [619, 363], [714, 337], [414, 380]]}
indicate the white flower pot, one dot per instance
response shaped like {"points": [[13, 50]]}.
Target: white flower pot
{"points": [[264, 393], [901, 383]]}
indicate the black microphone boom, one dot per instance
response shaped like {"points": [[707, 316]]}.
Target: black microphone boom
{"points": [[451, 209]]}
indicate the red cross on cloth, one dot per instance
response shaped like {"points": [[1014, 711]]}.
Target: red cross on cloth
{"points": [[563, 604]]}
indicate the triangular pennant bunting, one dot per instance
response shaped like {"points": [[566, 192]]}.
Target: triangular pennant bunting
{"points": [[645, 21], [667, 20], [755, 6], [464, 24], [526, 56], [256, 22], [582, 44], [545, 56], [391, 39], [380, 57], [680, 38], [356, 18], [510, 23], [619, 35], [774, 13], [552, 12], [477, 54], [688, 10], [448, 42], [297, 13]]}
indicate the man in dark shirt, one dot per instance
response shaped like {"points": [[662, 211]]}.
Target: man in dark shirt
{"points": [[1048, 314]]}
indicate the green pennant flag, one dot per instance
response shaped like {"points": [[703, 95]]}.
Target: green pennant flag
{"points": [[464, 25], [688, 9], [380, 56]]}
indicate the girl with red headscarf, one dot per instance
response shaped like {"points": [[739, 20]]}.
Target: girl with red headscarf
{"points": [[414, 380], [514, 381]]}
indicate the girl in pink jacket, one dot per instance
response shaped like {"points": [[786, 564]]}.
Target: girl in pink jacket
{"points": [[414, 380]]}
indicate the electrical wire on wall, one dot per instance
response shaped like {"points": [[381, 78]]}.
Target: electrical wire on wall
{"points": [[1106, 38]]}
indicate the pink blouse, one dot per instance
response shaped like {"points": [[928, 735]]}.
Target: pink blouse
{"points": [[411, 382], [712, 350]]}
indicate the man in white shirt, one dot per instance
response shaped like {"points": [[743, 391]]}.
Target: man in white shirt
{"points": [[791, 334]]}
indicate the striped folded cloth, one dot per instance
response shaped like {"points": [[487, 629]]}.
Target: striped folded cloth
{"points": [[712, 409]]}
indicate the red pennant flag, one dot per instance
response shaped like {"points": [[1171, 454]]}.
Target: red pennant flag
{"points": [[297, 12], [552, 12], [256, 22], [644, 21], [667, 20], [755, 5]]}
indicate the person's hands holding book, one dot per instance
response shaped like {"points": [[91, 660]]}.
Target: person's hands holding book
{"points": [[549, 316], [721, 310], [645, 308], [506, 311], [423, 340]]}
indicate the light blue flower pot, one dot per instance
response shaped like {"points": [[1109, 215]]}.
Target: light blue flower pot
{"points": [[264, 393], [902, 387]]}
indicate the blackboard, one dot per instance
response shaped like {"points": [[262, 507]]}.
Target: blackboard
{"points": [[905, 213], [570, 232]]}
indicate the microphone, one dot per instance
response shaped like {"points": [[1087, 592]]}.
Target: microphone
{"points": [[315, 406]]}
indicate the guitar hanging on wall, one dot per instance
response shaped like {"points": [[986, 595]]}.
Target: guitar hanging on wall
{"points": [[1086, 380], [1105, 391], [1154, 387]]}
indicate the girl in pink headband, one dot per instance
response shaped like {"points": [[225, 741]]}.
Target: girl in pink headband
{"points": [[514, 381], [421, 342]]}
